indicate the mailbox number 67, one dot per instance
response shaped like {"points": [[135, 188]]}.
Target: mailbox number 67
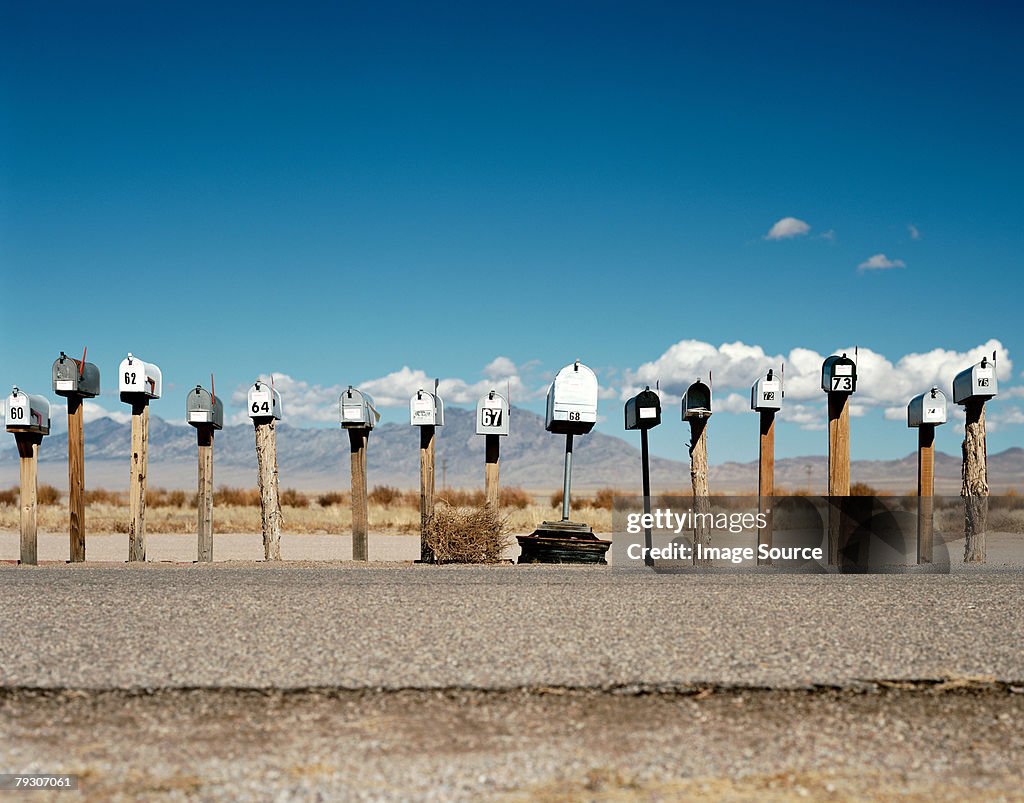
{"points": [[842, 383], [490, 417]]}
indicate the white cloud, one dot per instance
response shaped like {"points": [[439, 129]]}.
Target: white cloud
{"points": [[915, 233], [829, 235], [881, 262], [787, 227]]}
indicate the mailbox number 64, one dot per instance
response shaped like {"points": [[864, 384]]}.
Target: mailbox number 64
{"points": [[842, 383], [257, 407]]}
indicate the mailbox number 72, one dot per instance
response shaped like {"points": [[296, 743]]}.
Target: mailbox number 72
{"points": [[842, 383], [490, 417]]}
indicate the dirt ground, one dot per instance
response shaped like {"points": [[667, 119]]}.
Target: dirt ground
{"points": [[961, 741]]}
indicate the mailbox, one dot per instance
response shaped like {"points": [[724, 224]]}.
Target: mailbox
{"points": [[766, 393], [202, 408], [839, 375], [492, 414], [356, 410], [426, 409], [73, 377], [138, 378], [572, 401], [264, 401], [27, 413], [928, 408], [643, 411], [697, 401], [976, 382]]}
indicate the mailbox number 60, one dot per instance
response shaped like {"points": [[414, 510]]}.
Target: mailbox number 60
{"points": [[842, 383]]}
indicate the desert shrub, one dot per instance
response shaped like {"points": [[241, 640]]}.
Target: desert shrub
{"points": [[332, 498], [238, 497], [556, 499], [101, 496], [291, 498], [384, 495], [48, 495], [604, 498], [10, 497], [467, 534], [514, 497], [160, 497], [458, 497], [863, 489]]}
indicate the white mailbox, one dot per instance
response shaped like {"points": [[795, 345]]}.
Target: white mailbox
{"points": [[27, 413], [73, 377], [356, 410], [928, 408], [426, 409], [492, 414], [839, 375], [572, 401], [766, 393], [264, 401], [976, 382], [697, 401], [203, 408], [137, 378]]}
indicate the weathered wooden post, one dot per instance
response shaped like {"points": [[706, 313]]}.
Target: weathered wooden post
{"points": [[571, 411], [76, 380], [643, 412], [426, 411], [492, 421], [766, 399], [973, 387], [839, 381], [924, 413], [358, 416], [138, 383], [205, 412], [28, 419], [697, 410], [265, 410]]}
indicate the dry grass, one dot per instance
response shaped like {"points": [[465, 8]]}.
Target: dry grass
{"points": [[467, 534]]}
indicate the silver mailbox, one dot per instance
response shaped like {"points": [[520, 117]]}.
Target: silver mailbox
{"points": [[136, 378], [27, 413], [492, 414], [977, 382], [202, 408], [264, 401], [356, 410], [426, 409], [697, 401], [572, 401], [767, 393], [839, 375], [73, 377], [928, 408], [643, 411]]}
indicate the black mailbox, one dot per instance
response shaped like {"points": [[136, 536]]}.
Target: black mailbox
{"points": [[643, 411]]}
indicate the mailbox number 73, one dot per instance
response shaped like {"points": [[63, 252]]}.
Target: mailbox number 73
{"points": [[842, 383]]}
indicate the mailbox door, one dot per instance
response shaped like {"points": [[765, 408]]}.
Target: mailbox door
{"points": [[422, 410], [261, 402], [492, 416], [843, 378], [132, 376]]}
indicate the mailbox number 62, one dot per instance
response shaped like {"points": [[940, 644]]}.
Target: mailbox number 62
{"points": [[129, 377], [842, 383]]}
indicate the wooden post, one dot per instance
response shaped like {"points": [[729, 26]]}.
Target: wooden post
{"points": [[766, 479], [204, 437], [492, 449], [699, 482], [137, 481], [925, 491], [360, 508], [28, 454], [270, 502], [838, 468], [427, 443], [76, 479], [975, 482]]}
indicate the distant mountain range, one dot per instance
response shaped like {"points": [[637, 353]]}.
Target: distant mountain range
{"points": [[318, 459]]}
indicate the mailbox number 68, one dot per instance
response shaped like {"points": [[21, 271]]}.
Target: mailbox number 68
{"points": [[842, 383], [574, 416]]}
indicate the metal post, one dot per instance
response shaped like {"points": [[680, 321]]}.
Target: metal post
{"points": [[566, 479], [646, 470]]}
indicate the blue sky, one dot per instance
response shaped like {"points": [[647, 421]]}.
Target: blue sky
{"points": [[357, 193]]}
